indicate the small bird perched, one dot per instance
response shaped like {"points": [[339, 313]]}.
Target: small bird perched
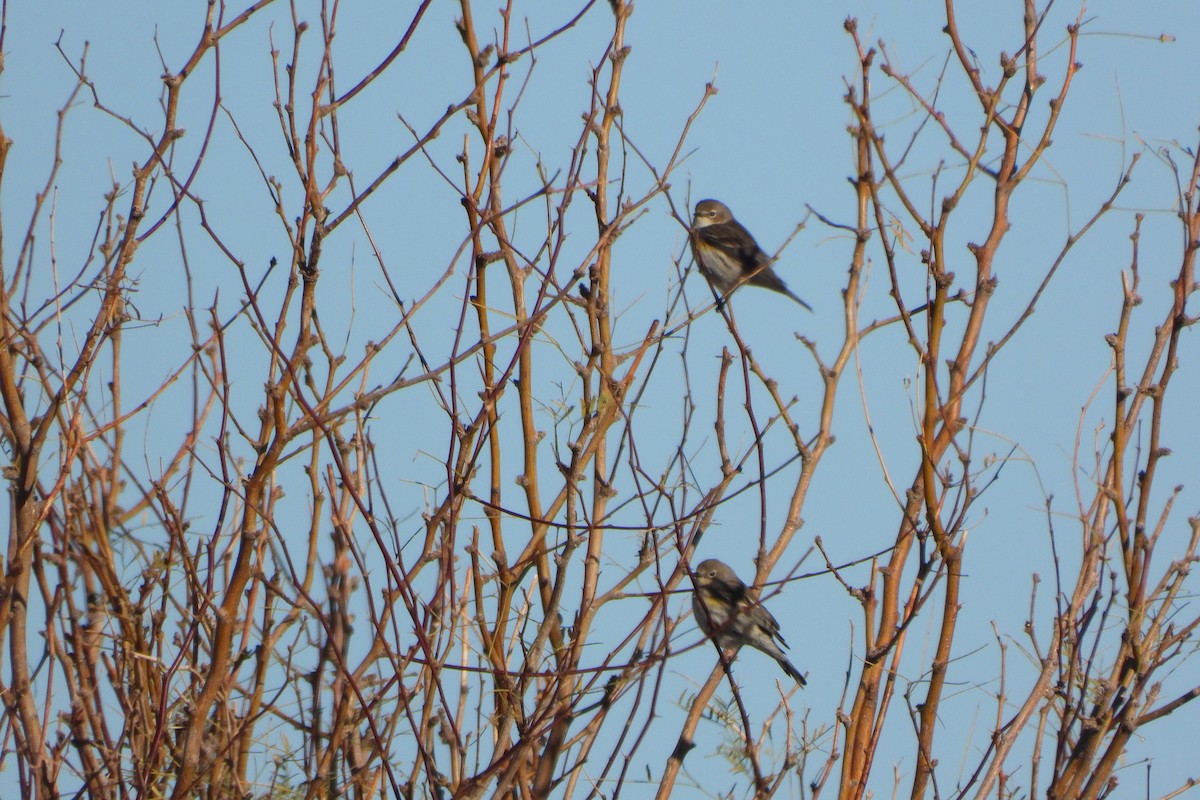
{"points": [[725, 611], [727, 254]]}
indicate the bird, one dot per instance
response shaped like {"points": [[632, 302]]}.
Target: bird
{"points": [[726, 612], [728, 255]]}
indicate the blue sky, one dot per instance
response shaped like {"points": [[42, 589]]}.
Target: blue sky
{"points": [[771, 143]]}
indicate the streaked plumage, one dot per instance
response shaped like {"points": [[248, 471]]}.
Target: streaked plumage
{"points": [[725, 611], [728, 255]]}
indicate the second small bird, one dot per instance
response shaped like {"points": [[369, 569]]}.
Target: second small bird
{"points": [[727, 254], [725, 611]]}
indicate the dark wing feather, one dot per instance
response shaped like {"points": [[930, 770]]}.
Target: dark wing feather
{"points": [[768, 623], [737, 596], [733, 238], [729, 594]]}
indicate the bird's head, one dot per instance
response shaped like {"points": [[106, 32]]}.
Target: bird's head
{"points": [[710, 212], [711, 570]]}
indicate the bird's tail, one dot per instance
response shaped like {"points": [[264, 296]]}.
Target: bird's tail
{"points": [[790, 669], [795, 297]]}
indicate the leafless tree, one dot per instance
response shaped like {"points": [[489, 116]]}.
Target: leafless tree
{"points": [[297, 542]]}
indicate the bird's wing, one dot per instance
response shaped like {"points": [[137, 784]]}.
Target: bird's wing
{"points": [[767, 622], [732, 237], [738, 596], [729, 594]]}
